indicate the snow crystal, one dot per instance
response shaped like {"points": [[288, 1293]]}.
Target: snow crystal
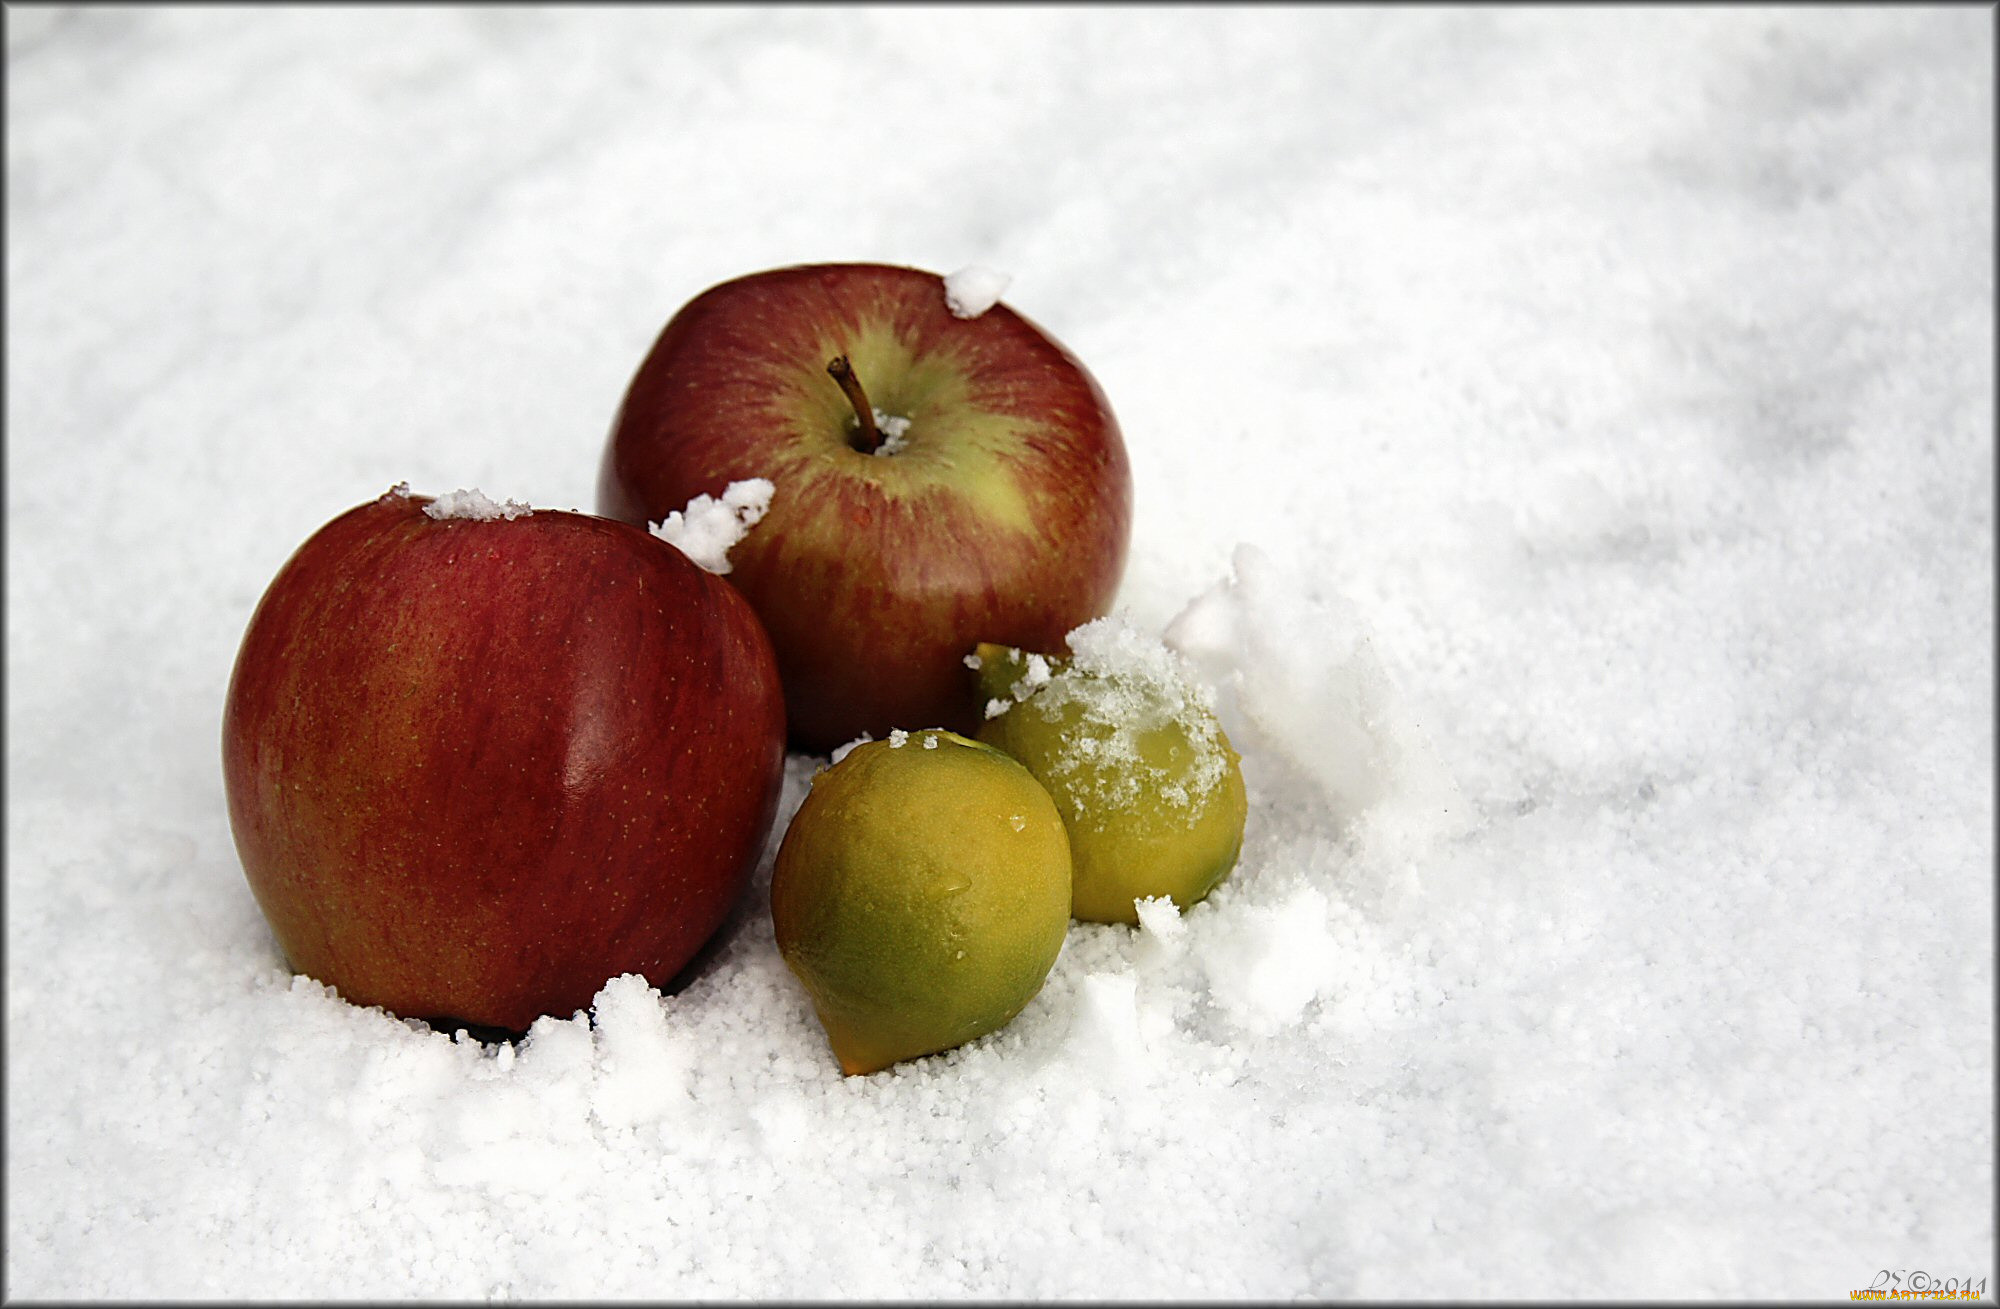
{"points": [[475, 505], [841, 752], [708, 528], [972, 290]]}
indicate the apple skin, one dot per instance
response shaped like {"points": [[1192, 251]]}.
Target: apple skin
{"points": [[477, 768], [1006, 517]]}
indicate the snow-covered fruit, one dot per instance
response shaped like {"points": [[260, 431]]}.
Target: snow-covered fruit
{"points": [[957, 476], [920, 895], [1127, 742], [479, 758]]}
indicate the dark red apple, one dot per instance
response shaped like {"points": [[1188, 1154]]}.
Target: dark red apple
{"points": [[475, 768], [948, 481]]}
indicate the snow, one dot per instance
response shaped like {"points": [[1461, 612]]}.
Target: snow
{"points": [[709, 527], [1563, 439], [475, 505], [895, 429], [1302, 693], [972, 290]]}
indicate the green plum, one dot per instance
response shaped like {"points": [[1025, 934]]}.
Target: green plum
{"points": [[920, 895], [1128, 745]]}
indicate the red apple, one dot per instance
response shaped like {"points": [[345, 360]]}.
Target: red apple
{"points": [[997, 508], [476, 768]]}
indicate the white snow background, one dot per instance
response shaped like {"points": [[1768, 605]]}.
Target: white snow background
{"points": [[1602, 400]]}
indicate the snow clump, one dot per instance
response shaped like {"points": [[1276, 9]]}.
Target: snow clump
{"points": [[1299, 685], [1266, 963], [475, 505], [709, 528], [895, 431], [972, 290]]}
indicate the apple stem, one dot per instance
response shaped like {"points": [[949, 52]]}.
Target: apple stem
{"points": [[869, 436]]}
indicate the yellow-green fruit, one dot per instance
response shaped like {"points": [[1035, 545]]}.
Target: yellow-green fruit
{"points": [[920, 895], [1128, 745]]}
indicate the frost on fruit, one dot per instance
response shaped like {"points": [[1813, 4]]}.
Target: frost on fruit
{"points": [[1125, 692], [709, 528], [476, 505]]}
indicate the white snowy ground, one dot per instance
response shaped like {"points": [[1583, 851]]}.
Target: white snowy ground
{"points": [[1605, 398]]}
